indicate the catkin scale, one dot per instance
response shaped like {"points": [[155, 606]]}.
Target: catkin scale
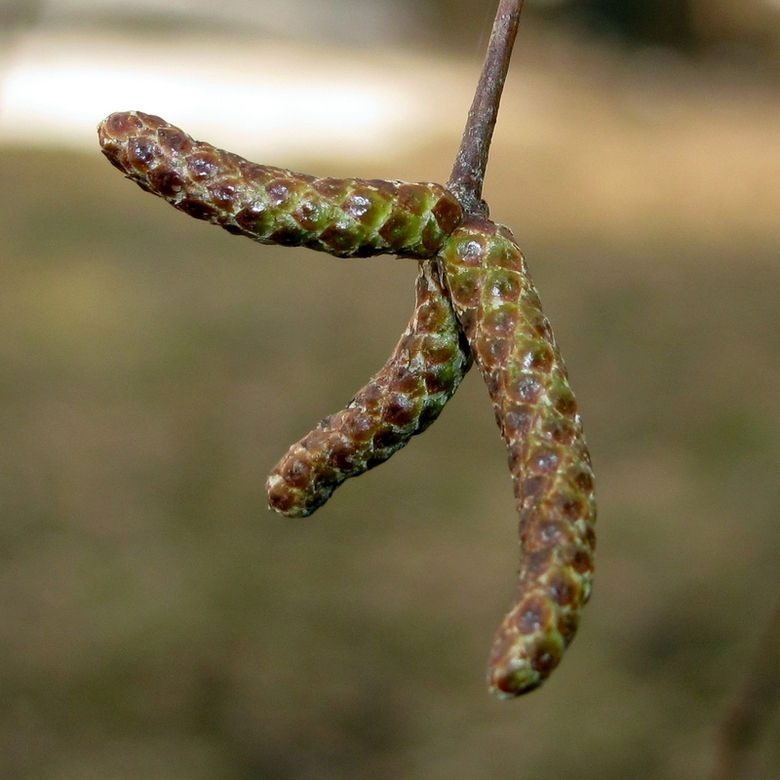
{"points": [[513, 346], [399, 402], [344, 217]]}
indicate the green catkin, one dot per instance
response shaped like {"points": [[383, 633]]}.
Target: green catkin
{"points": [[408, 394], [474, 299], [344, 217], [399, 402], [513, 346]]}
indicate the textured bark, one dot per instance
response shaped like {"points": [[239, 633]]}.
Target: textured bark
{"points": [[514, 348]]}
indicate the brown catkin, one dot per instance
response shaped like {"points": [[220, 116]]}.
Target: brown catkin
{"points": [[344, 217], [474, 298], [514, 348], [399, 402]]}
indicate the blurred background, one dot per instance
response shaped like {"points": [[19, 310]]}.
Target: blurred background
{"points": [[157, 622]]}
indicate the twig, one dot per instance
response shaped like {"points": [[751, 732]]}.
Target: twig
{"points": [[755, 705], [468, 172]]}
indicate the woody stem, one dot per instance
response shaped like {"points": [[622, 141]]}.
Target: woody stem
{"points": [[468, 171]]}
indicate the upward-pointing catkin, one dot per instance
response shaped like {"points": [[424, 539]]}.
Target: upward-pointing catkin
{"points": [[514, 348], [344, 217]]}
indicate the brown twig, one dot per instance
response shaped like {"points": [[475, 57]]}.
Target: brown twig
{"points": [[468, 172], [755, 705]]}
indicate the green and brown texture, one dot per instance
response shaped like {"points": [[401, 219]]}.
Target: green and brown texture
{"points": [[475, 300], [497, 317], [431, 358], [398, 402], [514, 347], [344, 217], [153, 628]]}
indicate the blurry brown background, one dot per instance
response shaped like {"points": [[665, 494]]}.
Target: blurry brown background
{"points": [[157, 622]]}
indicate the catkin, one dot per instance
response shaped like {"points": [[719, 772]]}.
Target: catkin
{"points": [[475, 299], [514, 348], [398, 402], [344, 217]]}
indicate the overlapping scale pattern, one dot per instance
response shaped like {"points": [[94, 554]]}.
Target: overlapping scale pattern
{"points": [[398, 402], [344, 217], [474, 299], [513, 346]]}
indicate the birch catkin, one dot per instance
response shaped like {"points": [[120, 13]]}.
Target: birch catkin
{"points": [[514, 348], [344, 217], [474, 299], [398, 402]]}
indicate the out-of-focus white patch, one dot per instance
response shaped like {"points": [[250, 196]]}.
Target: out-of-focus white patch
{"points": [[361, 22], [255, 97]]}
